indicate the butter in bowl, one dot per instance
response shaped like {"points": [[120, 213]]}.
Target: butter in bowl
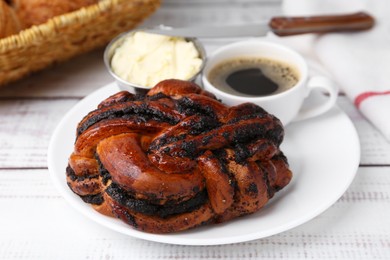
{"points": [[139, 60]]}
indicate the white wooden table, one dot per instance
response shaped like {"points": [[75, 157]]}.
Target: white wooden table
{"points": [[37, 223]]}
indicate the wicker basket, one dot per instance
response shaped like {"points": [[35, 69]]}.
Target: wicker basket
{"points": [[68, 35]]}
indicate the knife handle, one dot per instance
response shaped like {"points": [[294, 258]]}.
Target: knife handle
{"points": [[285, 26]]}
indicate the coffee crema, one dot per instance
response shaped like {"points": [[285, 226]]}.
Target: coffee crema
{"points": [[253, 76]]}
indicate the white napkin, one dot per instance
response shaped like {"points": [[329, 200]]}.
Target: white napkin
{"points": [[358, 62]]}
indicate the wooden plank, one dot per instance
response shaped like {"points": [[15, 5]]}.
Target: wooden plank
{"points": [[75, 78], [26, 126], [375, 149], [36, 223]]}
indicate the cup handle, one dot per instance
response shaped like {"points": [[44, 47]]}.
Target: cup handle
{"points": [[319, 82]]}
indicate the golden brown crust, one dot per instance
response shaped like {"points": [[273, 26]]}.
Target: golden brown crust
{"points": [[9, 22], [173, 87], [251, 192], [219, 184], [104, 208], [123, 157]]}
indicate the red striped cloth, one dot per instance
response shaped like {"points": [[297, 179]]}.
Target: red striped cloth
{"points": [[359, 62]]}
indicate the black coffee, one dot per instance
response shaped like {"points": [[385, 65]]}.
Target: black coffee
{"points": [[253, 76]]}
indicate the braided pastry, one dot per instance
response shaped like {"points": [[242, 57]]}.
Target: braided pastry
{"points": [[176, 158]]}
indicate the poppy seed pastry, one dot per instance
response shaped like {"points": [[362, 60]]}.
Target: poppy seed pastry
{"points": [[177, 158]]}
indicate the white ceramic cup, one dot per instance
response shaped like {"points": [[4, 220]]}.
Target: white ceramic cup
{"points": [[285, 105]]}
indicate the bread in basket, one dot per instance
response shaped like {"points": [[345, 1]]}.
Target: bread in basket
{"points": [[69, 35]]}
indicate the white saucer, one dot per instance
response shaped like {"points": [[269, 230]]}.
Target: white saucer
{"points": [[323, 154]]}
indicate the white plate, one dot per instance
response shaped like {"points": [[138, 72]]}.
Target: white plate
{"points": [[323, 154]]}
